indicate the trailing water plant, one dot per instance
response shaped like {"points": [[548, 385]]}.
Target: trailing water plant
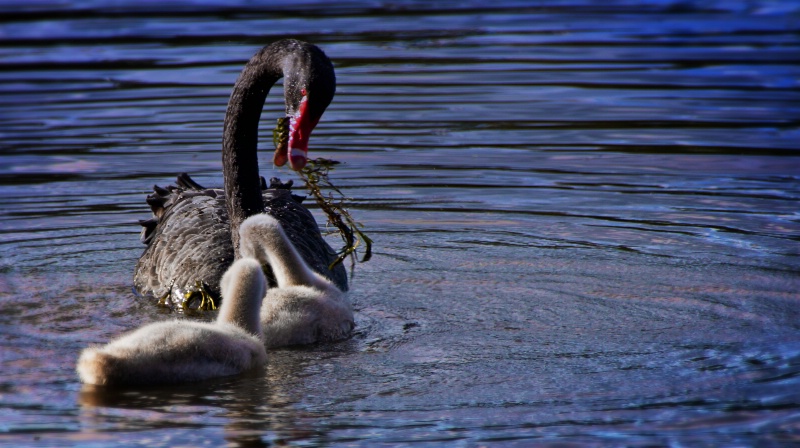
{"points": [[315, 175]]}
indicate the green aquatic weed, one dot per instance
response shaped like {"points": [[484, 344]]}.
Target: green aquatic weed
{"points": [[280, 135], [315, 175]]}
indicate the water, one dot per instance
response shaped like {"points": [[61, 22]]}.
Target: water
{"points": [[585, 219]]}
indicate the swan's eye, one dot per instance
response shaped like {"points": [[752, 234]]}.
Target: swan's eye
{"points": [[303, 91]]}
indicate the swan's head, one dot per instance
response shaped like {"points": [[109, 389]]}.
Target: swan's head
{"points": [[309, 86]]}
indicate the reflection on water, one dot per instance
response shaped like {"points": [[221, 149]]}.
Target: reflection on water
{"points": [[585, 219]]}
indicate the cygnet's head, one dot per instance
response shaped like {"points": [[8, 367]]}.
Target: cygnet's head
{"points": [[257, 235], [243, 288], [243, 279]]}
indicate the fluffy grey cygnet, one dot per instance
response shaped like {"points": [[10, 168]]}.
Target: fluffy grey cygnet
{"points": [[178, 351], [305, 307]]}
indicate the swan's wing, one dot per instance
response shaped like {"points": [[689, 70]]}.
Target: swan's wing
{"points": [[189, 244]]}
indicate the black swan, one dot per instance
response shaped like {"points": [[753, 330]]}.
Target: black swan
{"points": [[182, 350], [305, 307], [189, 239]]}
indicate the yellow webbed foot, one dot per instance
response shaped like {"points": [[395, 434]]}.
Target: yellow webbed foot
{"points": [[199, 292]]}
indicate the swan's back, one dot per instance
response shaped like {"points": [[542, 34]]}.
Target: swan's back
{"points": [[300, 315], [189, 244], [189, 241], [172, 352]]}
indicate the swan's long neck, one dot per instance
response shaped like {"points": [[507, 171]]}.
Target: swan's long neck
{"points": [[264, 239], [240, 141], [308, 89]]}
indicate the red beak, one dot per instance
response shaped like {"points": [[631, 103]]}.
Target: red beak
{"points": [[300, 127]]}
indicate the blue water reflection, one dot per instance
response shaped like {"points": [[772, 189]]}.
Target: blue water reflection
{"points": [[585, 219]]}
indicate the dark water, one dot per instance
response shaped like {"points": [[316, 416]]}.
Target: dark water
{"points": [[585, 217]]}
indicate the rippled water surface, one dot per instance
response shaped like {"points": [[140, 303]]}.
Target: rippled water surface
{"points": [[585, 218]]}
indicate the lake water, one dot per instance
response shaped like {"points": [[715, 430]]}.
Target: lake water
{"points": [[585, 216]]}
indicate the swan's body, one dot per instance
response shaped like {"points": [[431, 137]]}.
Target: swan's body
{"points": [[192, 239], [179, 350], [189, 240], [305, 307]]}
